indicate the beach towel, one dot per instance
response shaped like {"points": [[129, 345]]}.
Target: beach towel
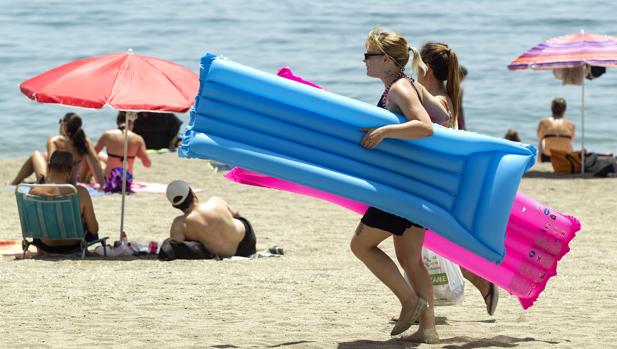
{"points": [[136, 187]]}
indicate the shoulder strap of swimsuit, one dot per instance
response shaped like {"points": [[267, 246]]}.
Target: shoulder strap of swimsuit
{"points": [[411, 81]]}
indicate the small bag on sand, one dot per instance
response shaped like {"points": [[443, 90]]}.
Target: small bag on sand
{"points": [[172, 249], [448, 282]]}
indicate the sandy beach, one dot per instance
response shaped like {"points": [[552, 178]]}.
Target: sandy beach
{"points": [[318, 295]]}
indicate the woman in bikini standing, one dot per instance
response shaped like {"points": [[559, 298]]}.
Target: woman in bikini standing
{"points": [[387, 53], [72, 139], [113, 142]]}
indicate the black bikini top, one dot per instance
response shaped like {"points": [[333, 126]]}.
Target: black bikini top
{"points": [[121, 157], [384, 96]]}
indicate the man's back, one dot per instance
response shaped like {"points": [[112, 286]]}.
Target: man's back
{"points": [[85, 207], [212, 223]]}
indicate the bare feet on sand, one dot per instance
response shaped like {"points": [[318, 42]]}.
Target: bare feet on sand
{"points": [[427, 335]]}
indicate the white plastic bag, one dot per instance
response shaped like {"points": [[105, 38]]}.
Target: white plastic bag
{"points": [[448, 282]]}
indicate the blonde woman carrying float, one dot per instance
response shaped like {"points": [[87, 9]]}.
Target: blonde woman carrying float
{"points": [[387, 53]]}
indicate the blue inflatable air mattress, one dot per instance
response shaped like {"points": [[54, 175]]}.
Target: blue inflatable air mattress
{"points": [[459, 184]]}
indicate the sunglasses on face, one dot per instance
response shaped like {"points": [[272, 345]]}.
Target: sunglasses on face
{"points": [[367, 55]]}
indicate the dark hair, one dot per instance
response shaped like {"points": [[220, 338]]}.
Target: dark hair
{"points": [[512, 135], [463, 72], [558, 106], [444, 64], [61, 160], [75, 133], [190, 198], [121, 119]]}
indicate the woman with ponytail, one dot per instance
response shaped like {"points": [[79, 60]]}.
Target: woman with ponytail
{"points": [[72, 138], [387, 54], [441, 76]]}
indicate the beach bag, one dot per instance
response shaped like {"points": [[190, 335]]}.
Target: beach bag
{"points": [[595, 162], [448, 282], [172, 249], [566, 162]]}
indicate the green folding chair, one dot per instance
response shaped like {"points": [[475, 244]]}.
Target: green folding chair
{"points": [[52, 217]]}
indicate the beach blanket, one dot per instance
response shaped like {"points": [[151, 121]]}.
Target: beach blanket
{"points": [[136, 187]]}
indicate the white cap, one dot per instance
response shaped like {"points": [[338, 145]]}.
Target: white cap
{"points": [[177, 191]]}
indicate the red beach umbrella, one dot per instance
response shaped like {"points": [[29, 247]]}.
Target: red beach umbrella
{"points": [[569, 51], [123, 81]]}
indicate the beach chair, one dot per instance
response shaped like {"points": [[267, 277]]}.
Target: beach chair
{"points": [[52, 217]]}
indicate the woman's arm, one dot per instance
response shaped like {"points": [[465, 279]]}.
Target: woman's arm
{"points": [[87, 211], [101, 143], [436, 106], [51, 146], [142, 154], [95, 165]]}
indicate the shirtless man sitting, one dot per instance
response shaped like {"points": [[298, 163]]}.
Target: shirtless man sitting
{"points": [[218, 226], [555, 132], [59, 172]]}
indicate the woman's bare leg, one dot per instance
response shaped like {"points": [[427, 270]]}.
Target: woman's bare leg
{"points": [[408, 249], [481, 284], [32, 165], [364, 246], [39, 163], [486, 289]]}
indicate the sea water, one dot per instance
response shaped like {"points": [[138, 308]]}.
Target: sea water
{"points": [[320, 40]]}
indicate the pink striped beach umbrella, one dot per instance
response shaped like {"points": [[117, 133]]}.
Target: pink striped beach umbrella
{"points": [[569, 51]]}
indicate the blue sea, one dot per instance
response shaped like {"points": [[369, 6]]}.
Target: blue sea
{"points": [[321, 40]]}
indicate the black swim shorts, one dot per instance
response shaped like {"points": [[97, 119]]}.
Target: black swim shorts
{"points": [[247, 246], [62, 249], [376, 218]]}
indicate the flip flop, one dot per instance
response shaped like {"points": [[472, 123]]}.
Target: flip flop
{"points": [[400, 327], [491, 299]]}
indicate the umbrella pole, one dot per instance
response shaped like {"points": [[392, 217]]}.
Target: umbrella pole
{"points": [[583, 122], [125, 167]]}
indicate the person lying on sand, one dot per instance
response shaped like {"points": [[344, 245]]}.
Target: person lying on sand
{"points": [[214, 223]]}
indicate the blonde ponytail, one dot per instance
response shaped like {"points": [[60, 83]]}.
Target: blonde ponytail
{"points": [[395, 46], [416, 60]]}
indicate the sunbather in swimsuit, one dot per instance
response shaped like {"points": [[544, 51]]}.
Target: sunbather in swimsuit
{"points": [[248, 245], [214, 223]]}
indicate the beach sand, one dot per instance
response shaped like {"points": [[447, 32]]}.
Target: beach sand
{"points": [[318, 295]]}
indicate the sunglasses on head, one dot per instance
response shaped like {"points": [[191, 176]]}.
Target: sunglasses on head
{"points": [[367, 55]]}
